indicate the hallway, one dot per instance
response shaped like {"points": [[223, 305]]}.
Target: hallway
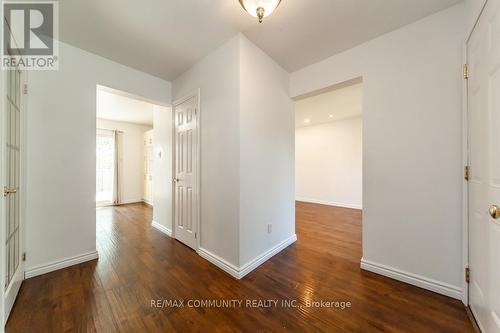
{"points": [[139, 264]]}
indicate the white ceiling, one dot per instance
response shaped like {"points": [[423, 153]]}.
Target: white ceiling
{"points": [[166, 37], [330, 106], [112, 106]]}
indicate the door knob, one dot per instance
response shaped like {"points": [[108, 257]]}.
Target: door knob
{"points": [[176, 180], [495, 211], [8, 190]]}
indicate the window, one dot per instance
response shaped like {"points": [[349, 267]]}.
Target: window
{"points": [[105, 154]]}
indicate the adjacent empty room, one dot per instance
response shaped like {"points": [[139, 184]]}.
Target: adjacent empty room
{"points": [[328, 147]]}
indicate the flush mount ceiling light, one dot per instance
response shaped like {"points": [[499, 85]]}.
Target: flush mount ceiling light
{"points": [[260, 8]]}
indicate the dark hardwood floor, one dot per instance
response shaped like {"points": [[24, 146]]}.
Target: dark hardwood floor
{"points": [[138, 264]]}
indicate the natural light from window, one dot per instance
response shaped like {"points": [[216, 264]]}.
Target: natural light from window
{"points": [[104, 166]]}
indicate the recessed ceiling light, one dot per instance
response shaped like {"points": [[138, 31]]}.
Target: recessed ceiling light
{"points": [[331, 116], [307, 120]]}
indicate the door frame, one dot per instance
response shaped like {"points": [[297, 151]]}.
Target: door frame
{"points": [[3, 81], [193, 94], [465, 158], [22, 185]]}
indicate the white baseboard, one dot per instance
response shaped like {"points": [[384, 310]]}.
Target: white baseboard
{"points": [[162, 228], [413, 279], [60, 264], [131, 201], [259, 260], [109, 204], [219, 262], [240, 272], [330, 203]]}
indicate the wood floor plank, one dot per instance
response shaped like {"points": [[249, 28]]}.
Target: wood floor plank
{"points": [[138, 264]]}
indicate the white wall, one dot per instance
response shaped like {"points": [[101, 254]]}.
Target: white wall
{"points": [[61, 150], [473, 8], [412, 169], [266, 153], [162, 168], [132, 157], [246, 151], [328, 163], [217, 76]]}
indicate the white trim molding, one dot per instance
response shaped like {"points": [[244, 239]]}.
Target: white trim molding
{"points": [[161, 228], [330, 203], [129, 202], [102, 204], [240, 272], [259, 260], [413, 279], [219, 262], [60, 264]]}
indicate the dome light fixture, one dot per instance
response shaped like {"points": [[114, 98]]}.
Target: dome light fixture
{"points": [[260, 8]]}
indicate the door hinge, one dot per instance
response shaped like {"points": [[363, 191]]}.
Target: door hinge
{"points": [[466, 172], [467, 274], [466, 71], [25, 89], [195, 235], [24, 256]]}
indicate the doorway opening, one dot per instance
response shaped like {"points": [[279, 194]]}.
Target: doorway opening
{"points": [[133, 158], [329, 158], [148, 154], [124, 154]]}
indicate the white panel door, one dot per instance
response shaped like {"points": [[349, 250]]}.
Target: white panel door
{"points": [[483, 52], [14, 242], [186, 171]]}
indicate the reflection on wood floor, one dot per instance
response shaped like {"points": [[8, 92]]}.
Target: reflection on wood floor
{"points": [[139, 264]]}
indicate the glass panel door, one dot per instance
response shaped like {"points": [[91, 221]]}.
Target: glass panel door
{"points": [[11, 184]]}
